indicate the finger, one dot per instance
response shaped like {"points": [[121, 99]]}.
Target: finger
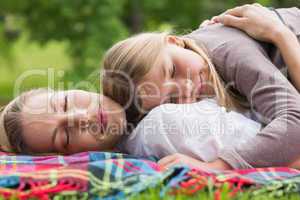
{"points": [[211, 22], [237, 11], [165, 160], [204, 23], [215, 18], [230, 20], [207, 23]]}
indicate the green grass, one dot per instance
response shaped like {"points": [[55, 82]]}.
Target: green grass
{"points": [[207, 194], [154, 194]]}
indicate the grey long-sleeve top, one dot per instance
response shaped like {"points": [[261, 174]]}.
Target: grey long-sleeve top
{"points": [[256, 70]]}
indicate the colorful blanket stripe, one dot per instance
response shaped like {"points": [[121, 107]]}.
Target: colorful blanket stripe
{"points": [[99, 175], [274, 181], [88, 175]]}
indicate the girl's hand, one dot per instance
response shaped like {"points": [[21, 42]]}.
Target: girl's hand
{"points": [[177, 158], [257, 21]]}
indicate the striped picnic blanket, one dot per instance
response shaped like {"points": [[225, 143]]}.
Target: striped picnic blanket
{"points": [[85, 175], [95, 175], [272, 181]]}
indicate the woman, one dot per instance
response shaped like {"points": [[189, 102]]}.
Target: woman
{"points": [[164, 68], [63, 122], [44, 121]]}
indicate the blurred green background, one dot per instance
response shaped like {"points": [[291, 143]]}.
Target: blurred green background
{"points": [[67, 38]]}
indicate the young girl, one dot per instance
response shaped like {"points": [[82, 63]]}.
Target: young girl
{"points": [[156, 68], [44, 121]]}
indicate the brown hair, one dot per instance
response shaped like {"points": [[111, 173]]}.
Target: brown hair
{"points": [[134, 58], [13, 126], [13, 122]]}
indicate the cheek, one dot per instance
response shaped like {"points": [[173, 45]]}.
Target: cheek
{"points": [[187, 71], [37, 140], [86, 142], [191, 65]]}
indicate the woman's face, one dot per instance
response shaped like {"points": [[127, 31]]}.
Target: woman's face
{"points": [[71, 121], [181, 77]]}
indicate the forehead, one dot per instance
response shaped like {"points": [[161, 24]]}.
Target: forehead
{"points": [[37, 102], [43, 102]]}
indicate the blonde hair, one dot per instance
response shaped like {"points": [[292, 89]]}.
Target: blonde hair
{"points": [[134, 58]]}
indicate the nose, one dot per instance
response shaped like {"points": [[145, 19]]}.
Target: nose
{"points": [[78, 118], [185, 95]]}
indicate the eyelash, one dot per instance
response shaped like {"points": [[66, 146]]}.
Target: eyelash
{"points": [[66, 104], [66, 128], [173, 71]]}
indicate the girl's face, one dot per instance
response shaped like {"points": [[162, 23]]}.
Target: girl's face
{"points": [[71, 121], [181, 77]]}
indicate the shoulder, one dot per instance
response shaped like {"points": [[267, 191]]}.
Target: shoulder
{"points": [[216, 35], [228, 47], [291, 17]]}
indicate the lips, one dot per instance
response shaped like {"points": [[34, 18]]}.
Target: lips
{"points": [[102, 119]]}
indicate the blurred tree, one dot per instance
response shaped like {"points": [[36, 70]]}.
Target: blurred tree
{"points": [[91, 26], [183, 15]]}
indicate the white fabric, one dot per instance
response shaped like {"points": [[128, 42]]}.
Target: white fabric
{"points": [[200, 130]]}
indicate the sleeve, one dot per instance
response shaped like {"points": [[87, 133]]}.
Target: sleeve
{"points": [[271, 96], [152, 135]]}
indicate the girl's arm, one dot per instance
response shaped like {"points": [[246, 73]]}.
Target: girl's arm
{"points": [[263, 24], [273, 99], [288, 44]]}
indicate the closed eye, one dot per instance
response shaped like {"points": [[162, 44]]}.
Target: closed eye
{"points": [[66, 127], [66, 103], [173, 71]]}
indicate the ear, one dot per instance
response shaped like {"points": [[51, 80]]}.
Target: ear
{"points": [[172, 39]]}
